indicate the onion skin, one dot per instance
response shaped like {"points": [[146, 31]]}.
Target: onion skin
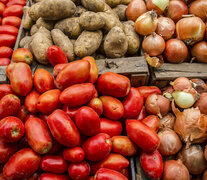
{"points": [[165, 27], [182, 84], [176, 9], [170, 142], [199, 51], [199, 85], [159, 8], [193, 159], [175, 51], [174, 170], [190, 30], [202, 103], [135, 9], [146, 24], [153, 44], [199, 9], [167, 121]]}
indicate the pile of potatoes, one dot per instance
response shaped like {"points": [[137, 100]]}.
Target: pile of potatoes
{"points": [[97, 28]]}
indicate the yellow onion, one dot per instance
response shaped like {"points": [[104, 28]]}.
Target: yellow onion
{"points": [[158, 5], [199, 51]]}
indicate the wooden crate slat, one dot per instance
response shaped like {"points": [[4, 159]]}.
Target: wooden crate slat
{"points": [[3, 77]]}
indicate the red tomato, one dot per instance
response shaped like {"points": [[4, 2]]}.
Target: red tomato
{"points": [[5, 52], [147, 90], [75, 154], [23, 112], [58, 68], [22, 55], [5, 89], [71, 112], [0, 20], [97, 105], [152, 164], [31, 101], [14, 10], [4, 61], [7, 40], [56, 55], [56, 148], [142, 114], [49, 176], [16, 2], [79, 171], [8, 29], [152, 121], [54, 164], [11, 129], [12, 20], [4, 1], [2, 7]]}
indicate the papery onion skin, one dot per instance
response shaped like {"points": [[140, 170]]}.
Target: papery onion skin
{"points": [[167, 121], [174, 170], [199, 51], [158, 5], [175, 51], [176, 9], [170, 142], [182, 84], [190, 30], [164, 104], [199, 85], [146, 24], [199, 9], [165, 27], [153, 44], [135, 9], [202, 103], [193, 158]]}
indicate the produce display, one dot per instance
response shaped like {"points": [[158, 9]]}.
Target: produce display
{"points": [[10, 19]]}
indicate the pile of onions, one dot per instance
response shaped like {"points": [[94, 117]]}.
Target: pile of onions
{"points": [[175, 170], [175, 51], [176, 10], [153, 44], [193, 158], [158, 5], [146, 24], [190, 30], [199, 51], [202, 103], [135, 9], [170, 142], [165, 27], [157, 105], [167, 121]]}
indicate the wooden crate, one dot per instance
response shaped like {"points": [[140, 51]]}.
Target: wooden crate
{"points": [[3, 77], [135, 68]]}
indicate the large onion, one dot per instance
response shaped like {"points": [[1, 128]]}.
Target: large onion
{"points": [[175, 51], [146, 24], [199, 8], [170, 142], [158, 5], [193, 158], [135, 9], [202, 103], [182, 84], [199, 51], [165, 27], [176, 10], [190, 125], [167, 121], [157, 105], [153, 44], [175, 170], [190, 30]]}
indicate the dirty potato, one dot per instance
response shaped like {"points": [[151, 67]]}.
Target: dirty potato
{"points": [[44, 23], [87, 43], [34, 29], [94, 5], [33, 11], [91, 21], [113, 3], [27, 21], [115, 44], [120, 10], [70, 26], [25, 40], [62, 41], [125, 2], [79, 10]]}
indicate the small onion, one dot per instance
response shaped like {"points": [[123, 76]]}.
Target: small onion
{"points": [[135, 9], [175, 51], [153, 44], [158, 5], [174, 170], [193, 159], [176, 9], [190, 30], [182, 84], [167, 121], [146, 24], [165, 27], [202, 103], [199, 9], [170, 142], [199, 51]]}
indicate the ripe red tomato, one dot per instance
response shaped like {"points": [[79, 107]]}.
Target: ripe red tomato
{"points": [[5, 52], [14, 10], [7, 40], [12, 20], [4, 61], [16, 2], [2, 7]]}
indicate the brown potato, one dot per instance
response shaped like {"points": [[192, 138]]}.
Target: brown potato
{"points": [[94, 5], [33, 11], [115, 44], [34, 29], [87, 43], [69, 26], [44, 23], [25, 40], [132, 37], [113, 3], [27, 21], [125, 2], [62, 41], [91, 21], [120, 10], [39, 45], [56, 9], [79, 10]]}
